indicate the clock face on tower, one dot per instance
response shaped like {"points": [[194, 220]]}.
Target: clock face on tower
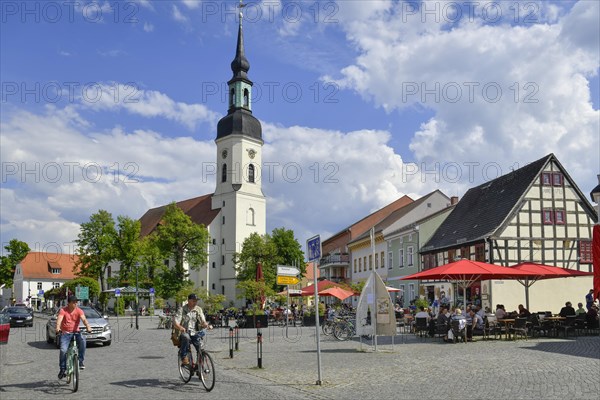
{"points": [[224, 154], [251, 153]]}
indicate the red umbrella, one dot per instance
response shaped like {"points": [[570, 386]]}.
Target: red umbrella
{"points": [[260, 278], [321, 285], [466, 272], [596, 260], [536, 272], [337, 291]]}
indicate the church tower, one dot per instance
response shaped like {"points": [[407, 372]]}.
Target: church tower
{"points": [[238, 192]]}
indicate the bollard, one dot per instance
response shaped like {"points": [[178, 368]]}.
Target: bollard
{"points": [[237, 338], [230, 342], [259, 347]]}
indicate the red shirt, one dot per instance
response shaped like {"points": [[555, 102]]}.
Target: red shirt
{"points": [[70, 322]]}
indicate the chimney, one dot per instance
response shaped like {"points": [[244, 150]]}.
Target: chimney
{"points": [[453, 200]]}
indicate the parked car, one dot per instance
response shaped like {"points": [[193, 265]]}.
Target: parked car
{"points": [[19, 316], [101, 330], [4, 328]]}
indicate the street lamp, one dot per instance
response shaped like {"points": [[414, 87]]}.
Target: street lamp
{"points": [[137, 297]]}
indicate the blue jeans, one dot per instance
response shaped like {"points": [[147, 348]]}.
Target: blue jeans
{"points": [[185, 339], [65, 340]]}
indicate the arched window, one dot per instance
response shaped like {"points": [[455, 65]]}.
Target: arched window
{"points": [[251, 173], [232, 97], [246, 98], [224, 173], [250, 217]]}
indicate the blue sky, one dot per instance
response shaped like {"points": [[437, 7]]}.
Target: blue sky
{"points": [[114, 105]]}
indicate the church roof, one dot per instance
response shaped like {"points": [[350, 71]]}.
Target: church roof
{"points": [[239, 122], [199, 209]]}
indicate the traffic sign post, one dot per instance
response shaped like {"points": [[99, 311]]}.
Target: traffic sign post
{"points": [[287, 280], [313, 247], [286, 270]]}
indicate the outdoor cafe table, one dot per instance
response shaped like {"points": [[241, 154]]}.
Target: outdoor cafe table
{"points": [[508, 323], [556, 322]]}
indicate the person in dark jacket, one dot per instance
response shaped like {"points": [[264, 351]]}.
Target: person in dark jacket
{"points": [[567, 310]]}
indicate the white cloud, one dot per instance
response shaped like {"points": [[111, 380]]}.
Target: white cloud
{"points": [[148, 27], [177, 15], [148, 103], [192, 4], [542, 71]]}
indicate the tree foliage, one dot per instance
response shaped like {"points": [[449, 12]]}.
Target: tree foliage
{"points": [[180, 239], [281, 247], [16, 251], [128, 249], [96, 246]]}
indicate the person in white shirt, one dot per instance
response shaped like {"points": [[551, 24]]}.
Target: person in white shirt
{"points": [[423, 314], [500, 312]]}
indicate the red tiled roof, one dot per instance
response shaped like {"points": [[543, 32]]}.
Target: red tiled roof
{"points": [[199, 209], [37, 265]]}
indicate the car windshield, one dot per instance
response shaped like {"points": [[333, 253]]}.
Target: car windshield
{"points": [[90, 313], [17, 310]]}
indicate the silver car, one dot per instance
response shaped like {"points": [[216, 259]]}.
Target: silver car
{"points": [[101, 330]]}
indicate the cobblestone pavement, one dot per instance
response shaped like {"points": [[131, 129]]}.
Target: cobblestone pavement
{"points": [[142, 365]]}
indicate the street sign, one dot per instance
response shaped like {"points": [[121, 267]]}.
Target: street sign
{"points": [[287, 280], [295, 291], [313, 246], [117, 292], [82, 292], [40, 292], [151, 290], [287, 270]]}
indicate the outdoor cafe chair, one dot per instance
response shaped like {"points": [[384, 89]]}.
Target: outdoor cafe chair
{"points": [[458, 333], [568, 325], [421, 326], [520, 327]]}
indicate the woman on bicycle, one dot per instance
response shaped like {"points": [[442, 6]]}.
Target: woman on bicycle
{"points": [[189, 321], [67, 325]]}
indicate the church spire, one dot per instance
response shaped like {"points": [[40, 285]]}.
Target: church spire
{"points": [[240, 64]]}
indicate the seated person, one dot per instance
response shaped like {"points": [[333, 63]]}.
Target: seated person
{"points": [[461, 325], [500, 312], [580, 309], [567, 310], [474, 324], [591, 317], [423, 314], [523, 312]]}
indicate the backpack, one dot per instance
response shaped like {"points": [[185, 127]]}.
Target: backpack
{"points": [[175, 337]]}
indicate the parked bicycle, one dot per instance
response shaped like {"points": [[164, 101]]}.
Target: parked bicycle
{"points": [[200, 363]]}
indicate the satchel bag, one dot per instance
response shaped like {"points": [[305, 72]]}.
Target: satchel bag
{"points": [[175, 337]]}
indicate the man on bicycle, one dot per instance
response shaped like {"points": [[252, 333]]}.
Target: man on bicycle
{"points": [[189, 320], [67, 325]]}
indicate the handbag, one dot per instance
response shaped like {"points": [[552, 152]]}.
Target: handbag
{"points": [[175, 337]]}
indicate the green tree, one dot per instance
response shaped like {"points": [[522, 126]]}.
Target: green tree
{"points": [[96, 246], [211, 303], [252, 289], [91, 283], [180, 239], [15, 252], [128, 248], [279, 248]]}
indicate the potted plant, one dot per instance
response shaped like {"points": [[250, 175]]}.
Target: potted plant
{"points": [[255, 317], [308, 319]]}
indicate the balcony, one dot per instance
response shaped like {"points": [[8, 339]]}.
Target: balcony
{"points": [[335, 260]]}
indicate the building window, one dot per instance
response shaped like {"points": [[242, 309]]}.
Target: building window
{"points": [[213, 286], [56, 285], [250, 217], [251, 173], [559, 217], [232, 97], [365, 262], [57, 271], [428, 261], [390, 260], [401, 258], [451, 254], [546, 178], [480, 252], [214, 241], [370, 262], [410, 237], [223, 241], [223, 260], [585, 251], [355, 266], [557, 179], [223, 290], [202, 283], [359, 264], [223, 220], [465, 253], [382, 260], [224, 173], [39, 286], [411, 291], [409, 256], [376, 260], [547, 217], [214, 264], [246, 104]]}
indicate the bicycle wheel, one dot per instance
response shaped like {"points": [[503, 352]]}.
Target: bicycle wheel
{"points": [[75, 373], [328, 328], [343, 332], [185, 371], [207, 371]]}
